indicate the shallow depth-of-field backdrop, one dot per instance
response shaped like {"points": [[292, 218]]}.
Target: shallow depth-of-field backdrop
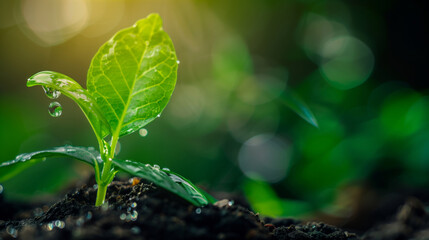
{"points": [[360, 66]]}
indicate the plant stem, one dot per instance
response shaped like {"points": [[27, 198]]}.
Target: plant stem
{"points": [[101, 195]]}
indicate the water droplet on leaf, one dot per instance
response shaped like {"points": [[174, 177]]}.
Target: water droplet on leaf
{"points": [[55, 109], [166, 169], [134, 205], [230, 203], [178, 62], [159, 115], [143, 132], [157, 167], [51, 93]]}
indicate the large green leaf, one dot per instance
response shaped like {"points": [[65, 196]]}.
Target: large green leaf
{"points": [[133, 75], [85, 154], [166, 179], [72, 89]]}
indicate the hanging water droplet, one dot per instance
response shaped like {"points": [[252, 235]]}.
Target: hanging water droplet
{"points": [[143, 132], [198, 211], [55, 109], [12, 231], [178, 62], [59, 224], [51, 93]]}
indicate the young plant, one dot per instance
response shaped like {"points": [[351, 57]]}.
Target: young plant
{"points": [[130, 81]]}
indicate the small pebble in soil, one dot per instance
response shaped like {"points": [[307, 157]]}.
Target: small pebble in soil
{"points": [[12, 231], [135, 230], [80, 221], [88, 215], [38, 212]]}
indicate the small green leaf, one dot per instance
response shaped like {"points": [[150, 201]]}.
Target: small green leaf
{"points": [[133, 75], [72, 89], [292, 101], [165, 179], [11, 168]]}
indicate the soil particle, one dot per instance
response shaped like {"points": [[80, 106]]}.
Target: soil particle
{"points": [[143, 211], [411, 222]]}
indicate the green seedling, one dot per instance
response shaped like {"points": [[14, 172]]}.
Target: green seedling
{"points": [[130, 81]]}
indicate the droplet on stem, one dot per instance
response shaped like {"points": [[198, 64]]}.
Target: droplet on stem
{"points": [[55, 109], [51, 93]]}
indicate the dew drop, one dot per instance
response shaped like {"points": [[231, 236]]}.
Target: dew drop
{"points": [[156, 167], [134, 215], [166, 169], [230, 203], [1, 189], [55, 109], [51, 93], [123, 216], [147, 165], [59, 224], [198, 211], [159, 115], [12, 231], [143, 132], [134, 205], [178, 62], [50, 226]]}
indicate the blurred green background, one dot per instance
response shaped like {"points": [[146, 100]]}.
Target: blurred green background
{"points": [[359, 65]]}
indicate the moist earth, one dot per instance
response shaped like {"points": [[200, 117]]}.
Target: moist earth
{"points": [[140, 210]]}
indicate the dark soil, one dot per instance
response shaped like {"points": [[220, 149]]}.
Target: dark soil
{"points": [[143, 211]]}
